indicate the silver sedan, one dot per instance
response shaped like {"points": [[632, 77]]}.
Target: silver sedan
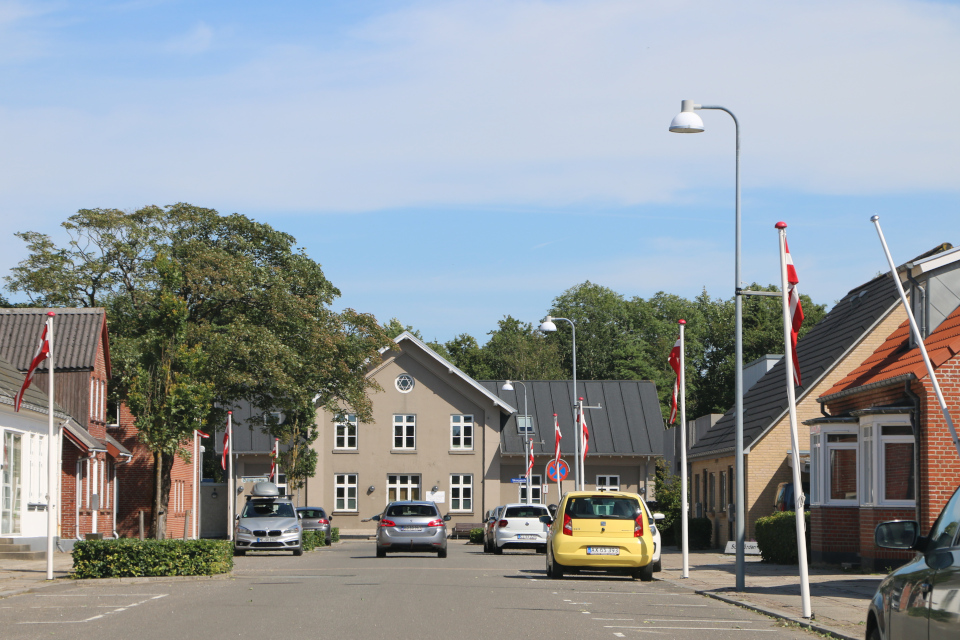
{"points": [[411, 526]]}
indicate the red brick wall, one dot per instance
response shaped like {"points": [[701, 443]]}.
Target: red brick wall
{"points": [[872, 557], [834, 534]]}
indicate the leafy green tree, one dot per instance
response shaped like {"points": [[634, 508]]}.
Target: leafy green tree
{"points": [[518, 351], [394, 328], [248, 312], [467, 355]]}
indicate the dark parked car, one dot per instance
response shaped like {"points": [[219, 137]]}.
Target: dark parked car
{"points": [[315, 519], [411, 526], [921, 599]]}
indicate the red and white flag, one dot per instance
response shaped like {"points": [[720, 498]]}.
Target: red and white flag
{"points": [[674, 361], [796, 311], [43, 352], [586, 434], [226, 450], [557, 437], [530, 461], [273, 459], [202, 434]]}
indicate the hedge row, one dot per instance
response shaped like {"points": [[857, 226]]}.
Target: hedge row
{"points": [[699, 533], [334, 534], [130, 557], [313, 539], [777, 537], [476, 536]]}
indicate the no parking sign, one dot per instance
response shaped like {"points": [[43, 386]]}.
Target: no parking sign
{"points": [[558, 472]]}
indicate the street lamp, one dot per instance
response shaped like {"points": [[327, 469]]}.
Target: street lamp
{"points": [[687, 121], [548, 326], [508, 386]]}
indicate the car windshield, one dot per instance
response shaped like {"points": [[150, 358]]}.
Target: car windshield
{"points": [[311, 513], [586, 507], [268, 510], [411, 510], [525, 512]]}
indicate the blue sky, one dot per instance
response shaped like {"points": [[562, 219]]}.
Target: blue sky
{"points": [[449, 163]]}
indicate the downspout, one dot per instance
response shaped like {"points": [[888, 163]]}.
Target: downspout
{"points": [[915, 423], [823, 410], [483, 464]]}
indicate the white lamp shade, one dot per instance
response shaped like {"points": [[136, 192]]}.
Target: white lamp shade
{"points": [[548, 326], [507, 386], [687, 122]]}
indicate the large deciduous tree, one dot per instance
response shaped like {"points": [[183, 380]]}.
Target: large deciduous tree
{"points": [[206, 311]]}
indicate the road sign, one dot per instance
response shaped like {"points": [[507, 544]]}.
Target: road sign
{"points": [[518, 480], [552, 470]]}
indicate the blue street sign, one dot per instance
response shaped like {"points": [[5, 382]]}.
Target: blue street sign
{"points": [[518, 480]]}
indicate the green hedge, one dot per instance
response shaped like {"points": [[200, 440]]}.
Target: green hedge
{"points": [[334, 534], [476, 536], [128, 557], [313, 539], [699, 533], [777, 537]]}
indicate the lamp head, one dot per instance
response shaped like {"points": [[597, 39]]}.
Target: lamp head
{"points": [[507, 386], [547, 325], [687, 121]]}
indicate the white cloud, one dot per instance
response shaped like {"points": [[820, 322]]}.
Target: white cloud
{"points": [[198, 40]]}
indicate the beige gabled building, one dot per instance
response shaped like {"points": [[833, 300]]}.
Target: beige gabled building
{"points": [[440, 435]]}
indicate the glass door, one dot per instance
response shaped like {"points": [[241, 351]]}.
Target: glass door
{"points": [[11, 484]]}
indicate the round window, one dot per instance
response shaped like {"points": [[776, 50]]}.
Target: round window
{"points": [[404, 383]]}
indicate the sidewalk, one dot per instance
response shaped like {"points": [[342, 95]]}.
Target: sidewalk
{"points": [[838, 598], [17, 576]]}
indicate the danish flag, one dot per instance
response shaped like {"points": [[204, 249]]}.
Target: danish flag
{"points": [[273, 459], [586, 432], [557, 436], [530, 461], [796, 311], [674, 360], [43, 352], [226, 449]]}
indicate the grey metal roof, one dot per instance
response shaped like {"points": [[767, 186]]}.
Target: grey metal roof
{"points": [[629, 423], [818, 351], [83, 436], [34, 398], [76, 336]]}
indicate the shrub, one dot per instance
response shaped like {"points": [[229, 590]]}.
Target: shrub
{"points": [[777, 537], [699, 533], [476, 536], [313, 539], [129, 557], [334, 534]]}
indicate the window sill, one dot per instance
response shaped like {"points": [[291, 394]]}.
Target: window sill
{"points": [[345, 451], [403, 452], [464, 452]]}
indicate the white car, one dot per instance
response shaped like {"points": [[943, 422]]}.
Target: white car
{"points": [[520, 527], [653, 520]]}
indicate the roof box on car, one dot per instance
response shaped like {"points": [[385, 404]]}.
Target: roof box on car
{"points": [[265, 490]]}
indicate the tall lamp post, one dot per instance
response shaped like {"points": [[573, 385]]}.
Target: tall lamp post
{"points": [[689, 122], [508, 386], [548, 326]]}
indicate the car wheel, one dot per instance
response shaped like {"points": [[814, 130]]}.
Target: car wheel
{"points": [[875, 633], [554, 569], [644, 573], [657, 566], [381, 552], [298, 551], [239, 552], [497, 550], [442, 553]]}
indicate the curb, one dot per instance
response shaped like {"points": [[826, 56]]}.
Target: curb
{"points": [[773, 613]]}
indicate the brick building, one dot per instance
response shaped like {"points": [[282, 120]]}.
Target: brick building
{"points": [[882, 449], [103, 463]]}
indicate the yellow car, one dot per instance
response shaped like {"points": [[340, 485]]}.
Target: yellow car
{"points": [[600, 530]]}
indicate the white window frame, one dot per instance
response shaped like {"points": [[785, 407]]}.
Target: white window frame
{"points": [[825, 447], [343, 483], [405, 486], [465, 422], [351, 421], [536, 485], [875, 467], [408, 424], [608, 483], [461, 489]]}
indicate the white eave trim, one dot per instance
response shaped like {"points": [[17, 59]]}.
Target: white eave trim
{"points": [[406, 335]]}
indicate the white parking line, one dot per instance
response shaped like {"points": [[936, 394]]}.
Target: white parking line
{"points": [[636, 593], [97, 617], [650, 627]]}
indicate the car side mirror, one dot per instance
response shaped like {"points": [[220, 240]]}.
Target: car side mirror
{"points": [[376, 518], [899, 534], [329, 518], [546, 519], [657, 517], [446, 518]]}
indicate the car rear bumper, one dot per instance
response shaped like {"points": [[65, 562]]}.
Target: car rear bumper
{"points": [[514, 542], [392, 540], [573, 552]]}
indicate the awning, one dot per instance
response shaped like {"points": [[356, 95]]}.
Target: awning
{"points": [[81, 438], [115, 449]]}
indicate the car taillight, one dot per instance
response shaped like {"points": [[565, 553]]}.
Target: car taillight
{"points": [[638, 527], [502, 523], [387, 523], [322, 521], [567, 525], [435, 523]]}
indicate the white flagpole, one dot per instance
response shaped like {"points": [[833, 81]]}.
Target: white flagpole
{"points": [[684, 516], [794, 440], [52, 467], [231, 497], [917, 337], [196, 464]]}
